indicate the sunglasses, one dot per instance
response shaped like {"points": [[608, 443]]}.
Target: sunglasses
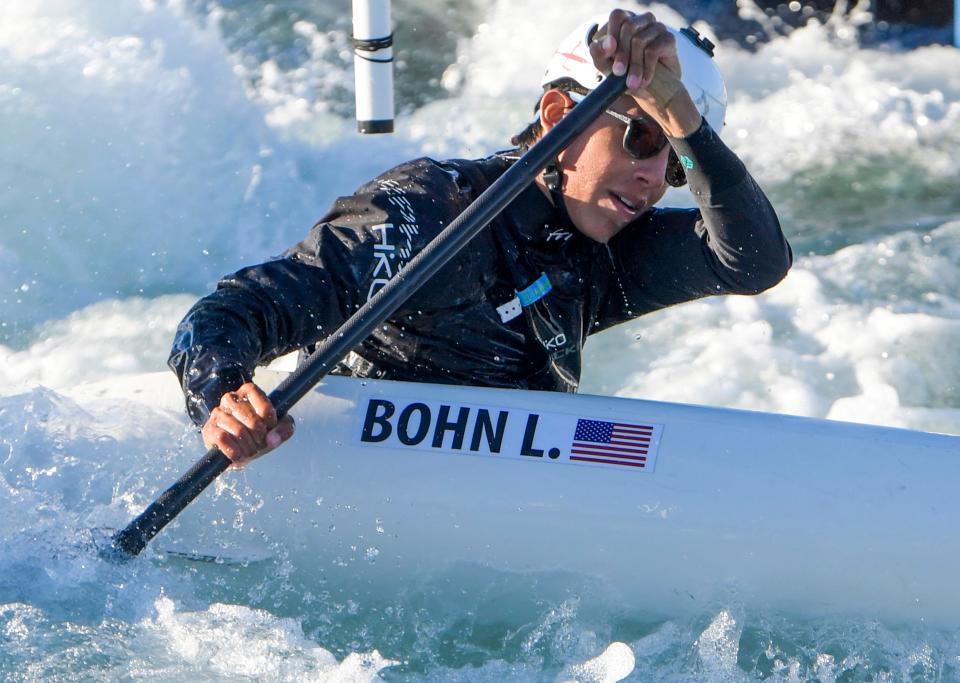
{"points": [[642, 139]]}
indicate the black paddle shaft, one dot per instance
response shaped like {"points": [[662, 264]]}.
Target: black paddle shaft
{"points": [[134, 538]]}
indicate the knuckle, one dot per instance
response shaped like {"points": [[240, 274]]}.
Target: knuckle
{"points": [[226, 447]]}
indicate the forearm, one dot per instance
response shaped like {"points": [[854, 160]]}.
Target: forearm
{"points": [[742, 229], [211, 354], [255, 315]]}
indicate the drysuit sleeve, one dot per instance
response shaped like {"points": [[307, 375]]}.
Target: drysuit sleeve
{"points": [[264, 311], [731, 244]]}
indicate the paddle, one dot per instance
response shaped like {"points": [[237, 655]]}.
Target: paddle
{"points": [[130, 541]]}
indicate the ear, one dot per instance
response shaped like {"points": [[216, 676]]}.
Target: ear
{"points": [[553, 106]]}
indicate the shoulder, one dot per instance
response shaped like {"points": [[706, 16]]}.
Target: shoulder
{"points": [[414, 178], [455, 175]]}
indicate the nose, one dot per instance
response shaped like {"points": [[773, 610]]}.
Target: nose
{"points": [[652, 171]]}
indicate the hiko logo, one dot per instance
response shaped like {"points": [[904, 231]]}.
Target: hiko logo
{"points": [[388, 256], [383, 251]]}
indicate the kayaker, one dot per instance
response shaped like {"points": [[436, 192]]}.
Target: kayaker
{"points": [[582, 249]]}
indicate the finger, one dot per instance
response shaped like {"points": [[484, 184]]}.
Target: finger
{"points": [[230, 447], [627, 53], [618, 18], [260, 403], [601, 48], [650, 45], [245, 445], [283, 431], [662, 45], [237, 405], [213, 436], [636, 39]]}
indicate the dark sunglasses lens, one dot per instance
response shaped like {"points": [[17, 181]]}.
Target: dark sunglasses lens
{"points": [[643, 139]]}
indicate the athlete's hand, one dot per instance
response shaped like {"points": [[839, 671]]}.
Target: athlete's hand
{"points": [[244, 426], [640, 46], [634, 44]]}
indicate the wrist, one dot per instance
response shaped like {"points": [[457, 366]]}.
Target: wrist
{"points": [[680, 118]]}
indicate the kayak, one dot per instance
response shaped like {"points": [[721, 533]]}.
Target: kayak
{"points": [[666, 506]]}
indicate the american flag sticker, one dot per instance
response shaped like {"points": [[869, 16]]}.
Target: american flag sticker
{"points": [[617, 444]]}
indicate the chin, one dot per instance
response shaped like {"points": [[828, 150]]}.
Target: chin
{"points": [[603, 234]]}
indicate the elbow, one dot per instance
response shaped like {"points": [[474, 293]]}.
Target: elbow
{"points": [[768, 271], [755, 272]]}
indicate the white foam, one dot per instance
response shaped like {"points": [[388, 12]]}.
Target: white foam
{"points": [[156, 170], [718, 645], [108, 339], [612, 665], [234, 641]]}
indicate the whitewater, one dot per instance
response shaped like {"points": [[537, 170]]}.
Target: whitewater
{"points": [[151, 147]]}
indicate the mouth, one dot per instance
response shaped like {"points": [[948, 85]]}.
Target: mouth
{"points": [[625, 205]]}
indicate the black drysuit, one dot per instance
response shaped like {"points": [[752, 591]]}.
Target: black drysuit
{"points": [[468, 325]]}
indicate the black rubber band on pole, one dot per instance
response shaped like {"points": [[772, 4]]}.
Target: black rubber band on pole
{"points": [[375, 126], [372, 44], [361, 45]]}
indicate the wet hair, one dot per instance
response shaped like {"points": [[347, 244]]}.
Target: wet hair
{"points": [[525, 139]]}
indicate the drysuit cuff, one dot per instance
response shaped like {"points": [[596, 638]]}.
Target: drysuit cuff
{"points": [[204, 396]]}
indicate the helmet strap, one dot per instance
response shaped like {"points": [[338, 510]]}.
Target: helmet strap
{"points": [[553, 179]]}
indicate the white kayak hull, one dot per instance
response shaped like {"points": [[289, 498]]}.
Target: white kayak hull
{"points": [[687, 504]]}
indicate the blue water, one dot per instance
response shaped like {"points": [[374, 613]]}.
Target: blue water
{"points": [[151, 146]]}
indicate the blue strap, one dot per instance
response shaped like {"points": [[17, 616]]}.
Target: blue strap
{"points": [[535, 291]]}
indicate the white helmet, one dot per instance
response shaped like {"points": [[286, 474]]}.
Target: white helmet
{"points": [[701, 77]]}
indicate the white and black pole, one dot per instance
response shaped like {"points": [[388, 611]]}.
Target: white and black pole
{"points": [[373, 65]]}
